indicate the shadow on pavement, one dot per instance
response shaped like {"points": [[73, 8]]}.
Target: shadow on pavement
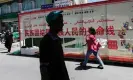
{"points": [[106, 62], [4, 52], [86, 68], [22, 55]]}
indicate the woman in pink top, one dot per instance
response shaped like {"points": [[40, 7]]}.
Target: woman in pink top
{"points": [[93, 47]]}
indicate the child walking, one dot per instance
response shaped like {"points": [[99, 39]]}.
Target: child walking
{"points": [[93, 47]]}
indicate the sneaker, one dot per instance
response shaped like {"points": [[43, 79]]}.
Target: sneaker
{"points": [[81, 63], [83, 66], [100, 67]]}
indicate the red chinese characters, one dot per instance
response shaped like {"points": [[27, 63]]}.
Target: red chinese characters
{"points": [[42, 32], [61, 33], [112, 44], [74, 31], [27, 33], [36, 32], [82, 31], [67, 32], [110, 30], [100, 30], [32, 33]]}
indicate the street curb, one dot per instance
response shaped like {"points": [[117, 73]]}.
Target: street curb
{"points": [[17, 52], [106, 62]]}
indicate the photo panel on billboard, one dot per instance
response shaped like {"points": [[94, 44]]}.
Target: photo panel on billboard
{"points": [[120, 31]]}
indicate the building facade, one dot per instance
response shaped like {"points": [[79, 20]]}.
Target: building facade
{"points": [[9, 12], [10, 8]]}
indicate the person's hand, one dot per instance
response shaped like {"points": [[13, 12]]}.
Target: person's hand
{"points": [[84, 45]]}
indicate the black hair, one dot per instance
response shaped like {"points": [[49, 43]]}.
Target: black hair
{"points": [[92, 31]]}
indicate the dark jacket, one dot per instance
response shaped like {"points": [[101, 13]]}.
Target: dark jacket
{"points": [[8, 39], [51, 52]]}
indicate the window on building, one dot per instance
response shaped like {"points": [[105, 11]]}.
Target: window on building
{"points": [[5, 9], [38, 3], [27, 5], [0, 10], [14, 7], [49, 1], [33, 4]]}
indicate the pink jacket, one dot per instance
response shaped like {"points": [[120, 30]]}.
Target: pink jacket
{"points": [[92, 43]]}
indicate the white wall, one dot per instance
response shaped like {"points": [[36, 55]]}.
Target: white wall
{"points": [[80, 1], [86, 1]]}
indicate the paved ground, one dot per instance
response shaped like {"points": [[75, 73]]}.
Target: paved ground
{"points": [[18, 68], [109, 73], [27, 68]]}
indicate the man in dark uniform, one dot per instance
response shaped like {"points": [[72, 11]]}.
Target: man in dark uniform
{"points": [[8, 40], [52, 65]]}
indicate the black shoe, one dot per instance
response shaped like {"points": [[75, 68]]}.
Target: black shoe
{"points": [[100, 67], [81, 63], [82, 66]]}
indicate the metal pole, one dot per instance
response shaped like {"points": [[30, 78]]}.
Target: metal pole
{"points": [[82, 38], [20, 39], [20, 8], [106, 24], [32, 42], [23, 43], [31, 29]]}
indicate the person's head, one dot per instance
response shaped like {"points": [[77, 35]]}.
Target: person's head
{"points": [[92, 31], [55, 21], [7, 32]]}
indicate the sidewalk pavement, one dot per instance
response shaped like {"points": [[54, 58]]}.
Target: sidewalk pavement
{"points": [[18, 68], [27, 68], [93, 73], [15, 47]]}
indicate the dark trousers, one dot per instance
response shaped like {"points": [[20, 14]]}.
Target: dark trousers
{"points": [[44, 72], [8, 46]]}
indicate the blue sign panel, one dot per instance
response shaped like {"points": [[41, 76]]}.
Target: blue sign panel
{"points": [[46, 6]]}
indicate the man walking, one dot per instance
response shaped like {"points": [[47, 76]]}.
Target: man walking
{"points": [[52, 65], [8, 40]]}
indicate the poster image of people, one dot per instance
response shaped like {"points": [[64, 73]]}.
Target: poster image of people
{"points": [[121, 34], [126, 25]]}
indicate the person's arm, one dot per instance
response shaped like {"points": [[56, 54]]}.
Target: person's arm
{"points": [[84, 44], [87, 38], [99, 45]]}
